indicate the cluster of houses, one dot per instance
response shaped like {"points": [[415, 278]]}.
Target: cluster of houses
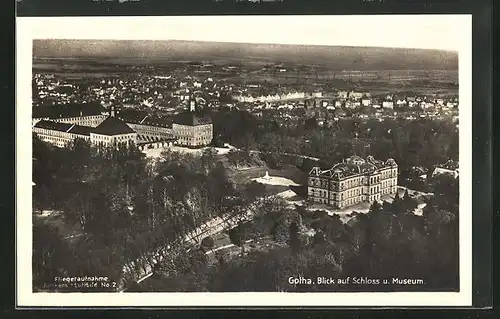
{"points": [[345, 100], [269, 97], [352, 99]]}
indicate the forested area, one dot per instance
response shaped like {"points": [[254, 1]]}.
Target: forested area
{"points": [[388, 242], [416, 143], [123, 205]]}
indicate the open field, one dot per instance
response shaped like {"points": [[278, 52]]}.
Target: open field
{"points": [[353, 73], [378, 81]]}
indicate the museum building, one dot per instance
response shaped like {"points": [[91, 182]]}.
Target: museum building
{"points": [[353, 181]]}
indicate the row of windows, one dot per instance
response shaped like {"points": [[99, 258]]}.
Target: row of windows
{"points": [[84, 118], [57, 140], [86, 121], [389, 173], [112, 138], [188, 127], [353, 182], [350, 193], [58, 134], [374, 190], [348, 184], [101, 143], [51, 132], [153, 134], [198, 138], [352, 201], [348, 202], [146, 128], [374, 179], [192, 134], [388, 183]]}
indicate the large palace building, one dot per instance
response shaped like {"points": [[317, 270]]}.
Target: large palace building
{"points": [[353, 181], [192, 129], [188, 129], [110, 131]]}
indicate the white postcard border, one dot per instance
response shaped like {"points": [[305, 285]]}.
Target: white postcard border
{"points": [[457, 36]]}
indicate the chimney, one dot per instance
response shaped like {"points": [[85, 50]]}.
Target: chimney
{"points": [[192, 105], [112, 111]]}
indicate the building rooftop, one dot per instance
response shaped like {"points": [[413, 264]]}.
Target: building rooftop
{"points": [[450, 164], [67, 111], [112, 126], [82, 130], [351, 166], [64, 127], [192, 119], [51, 125], [160, 122]]}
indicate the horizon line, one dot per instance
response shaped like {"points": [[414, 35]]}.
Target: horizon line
{"points": [[254, 43]]}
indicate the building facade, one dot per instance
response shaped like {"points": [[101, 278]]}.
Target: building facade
{"points": [[189, 129], [60, 134], [91, 120], [111, 131], [353, 181], [151, 133], [192, 129], [448, 168]]}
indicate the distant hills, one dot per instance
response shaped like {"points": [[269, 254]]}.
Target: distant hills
{"points": [[338, 57]]}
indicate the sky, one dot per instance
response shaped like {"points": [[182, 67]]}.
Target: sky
{"points": [[441, 32]]}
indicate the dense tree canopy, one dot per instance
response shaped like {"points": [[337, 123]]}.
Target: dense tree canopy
{"points": [[422, 142], [127, 206], [388, 242]]}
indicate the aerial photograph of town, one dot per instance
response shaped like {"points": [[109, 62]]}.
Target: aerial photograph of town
{"points": [[198, 166]]}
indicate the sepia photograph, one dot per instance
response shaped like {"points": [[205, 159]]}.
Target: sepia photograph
{"points": [[252, 160]]}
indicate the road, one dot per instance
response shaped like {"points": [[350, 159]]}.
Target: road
{"points": [[210, 228]]}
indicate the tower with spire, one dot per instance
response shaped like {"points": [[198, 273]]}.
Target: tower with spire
{"points": [[192, 129], [112, 111], [192, 105]]}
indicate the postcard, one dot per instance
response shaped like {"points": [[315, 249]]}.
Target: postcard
{"points": [[244, 161]]}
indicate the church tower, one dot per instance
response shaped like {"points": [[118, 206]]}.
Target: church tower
{"points": [[192, 105], [112, 111]]}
